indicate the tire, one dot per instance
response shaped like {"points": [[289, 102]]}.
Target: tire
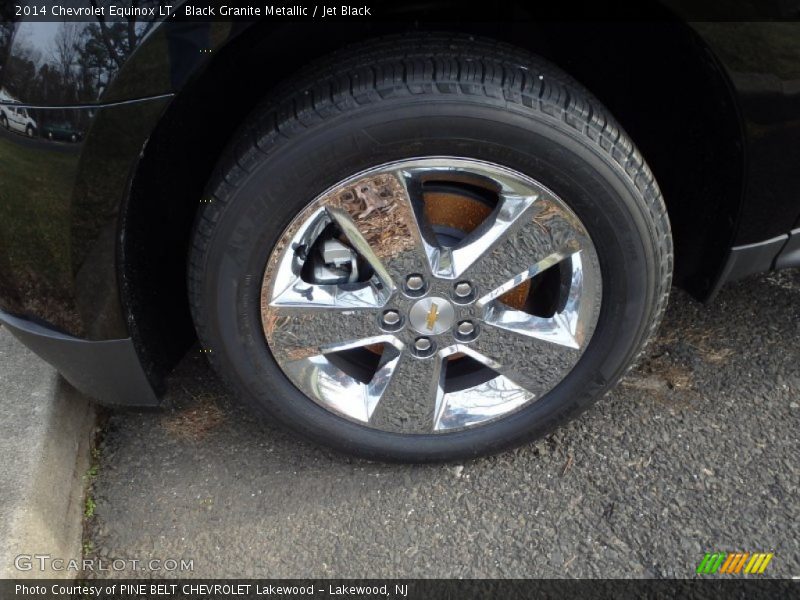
{"points": [[50, 135], [414, 96], [4, 122], [29, 131]]}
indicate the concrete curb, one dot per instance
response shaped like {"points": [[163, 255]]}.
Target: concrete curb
{"points": [[46, 431]]}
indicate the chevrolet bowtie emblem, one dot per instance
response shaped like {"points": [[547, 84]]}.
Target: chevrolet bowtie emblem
{"points": [[433, 314]]}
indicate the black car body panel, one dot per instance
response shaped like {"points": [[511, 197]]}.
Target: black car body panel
{"points": [[93, 235], [59, 229]]}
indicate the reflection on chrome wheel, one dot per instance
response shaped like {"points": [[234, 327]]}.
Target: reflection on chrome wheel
{"points": [[431, 295]]}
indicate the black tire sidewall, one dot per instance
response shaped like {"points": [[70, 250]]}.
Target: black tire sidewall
{"points": [[300, 168]]}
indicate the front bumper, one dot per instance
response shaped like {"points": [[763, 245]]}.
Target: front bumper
{"points": [[108, 371]]}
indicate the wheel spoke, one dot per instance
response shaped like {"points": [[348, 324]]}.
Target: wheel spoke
{"points": [[295, 333], [525, 357], [482, 402], [410, 401], [310, 296], [382, 217], [535, 235], [318, 376], [572, 325]]}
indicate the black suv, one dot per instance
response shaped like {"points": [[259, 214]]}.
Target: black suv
{"points": [[412, 237]]}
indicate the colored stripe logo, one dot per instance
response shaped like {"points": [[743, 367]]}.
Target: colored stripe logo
{"points": [[734, 563]]}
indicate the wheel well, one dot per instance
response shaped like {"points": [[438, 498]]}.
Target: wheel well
{"points": [[658, 79]]}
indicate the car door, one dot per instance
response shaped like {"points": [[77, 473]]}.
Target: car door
{"points": [[23, 119], [15, 121], [11, 115]]}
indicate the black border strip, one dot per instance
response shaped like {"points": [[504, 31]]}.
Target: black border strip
{"points": [[430, 11], [397, 589]]}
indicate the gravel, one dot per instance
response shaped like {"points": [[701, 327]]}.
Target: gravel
{"points": [[695, 451]]}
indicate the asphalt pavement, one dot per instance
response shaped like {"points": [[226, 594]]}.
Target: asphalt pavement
{"points": [[695, 451]]}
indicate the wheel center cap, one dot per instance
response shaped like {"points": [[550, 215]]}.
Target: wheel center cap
{"points": [[432, 315]]}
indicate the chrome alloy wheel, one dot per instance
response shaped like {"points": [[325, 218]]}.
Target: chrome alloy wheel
{"points": [[389, 316]]}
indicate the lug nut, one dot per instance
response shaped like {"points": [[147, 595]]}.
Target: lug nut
{"points": [[463, 289], [415, 283], [391, 317], [466, 328], [422, 344]]}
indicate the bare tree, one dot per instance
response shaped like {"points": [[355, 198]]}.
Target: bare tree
{"points": [[65, 50], [6, 36], [135, 31]]}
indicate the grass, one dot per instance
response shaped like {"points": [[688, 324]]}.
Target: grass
{"points": [[90, 504], [88, 510], [91, 473], [35, 198], [89, 477], [94, 468]]}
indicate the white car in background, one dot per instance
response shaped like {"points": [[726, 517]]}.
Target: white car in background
{"points": [[16, 119]]}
